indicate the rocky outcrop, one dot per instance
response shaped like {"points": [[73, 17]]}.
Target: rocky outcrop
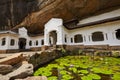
{"points": [[12, 59], [35, 13], [67, 10], [23, 71], [44, 57], [4, 69]]}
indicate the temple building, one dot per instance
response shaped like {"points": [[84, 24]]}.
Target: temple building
{"points": [[101, 31]]}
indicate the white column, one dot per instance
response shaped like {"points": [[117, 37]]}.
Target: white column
{"points": [[111, 38], [27, 44], [90, 37], [46, 39], [105, 36], [84, 38], [60, 40], [73, 39], [7, 42], [16, 44], [114, 35]]}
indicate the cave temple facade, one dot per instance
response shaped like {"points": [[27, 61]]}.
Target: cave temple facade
{"points": [[101, 31]]}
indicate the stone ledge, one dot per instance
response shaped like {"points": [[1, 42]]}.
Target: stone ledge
{"points": [[13, 59]]}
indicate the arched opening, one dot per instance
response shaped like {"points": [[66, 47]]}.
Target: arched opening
{"points": [[118, 34], [12, 42], [42, 42], [3, 41], [71, 40], [78, 38], [22, 43], [30, 43], [53, 34], [37, 43], [97, 36], [65, 38]]}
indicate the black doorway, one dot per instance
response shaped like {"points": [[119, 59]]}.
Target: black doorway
{"points": [[22, 43], [53, 34]]}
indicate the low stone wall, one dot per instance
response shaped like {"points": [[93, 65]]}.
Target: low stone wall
{"points": [[9, 51], [95, 47], [35, 49], [73, 47], [115, 47]]}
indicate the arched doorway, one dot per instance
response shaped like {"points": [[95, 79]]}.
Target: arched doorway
{"points": [[118, 34], [53, 36], [22, 43]]}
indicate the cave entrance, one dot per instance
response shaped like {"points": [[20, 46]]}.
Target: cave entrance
{"points": [[22, 43]]}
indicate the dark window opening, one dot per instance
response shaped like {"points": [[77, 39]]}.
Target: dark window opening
{"points": [[65, 39], [30, 43], [78, 38], [97, 36], [3, 41], [42, 42], [118, 34], [36, 43], [12, 42], [71, 40]]}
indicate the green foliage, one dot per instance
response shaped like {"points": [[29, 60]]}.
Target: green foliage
{"points": [[86, 78], [83, 71], [66, 77], [63, 72], [116, 76], [96, 70], [80, 52], [116, 53], [73, 69], [94, 76], [83, 66], [63, 50]]}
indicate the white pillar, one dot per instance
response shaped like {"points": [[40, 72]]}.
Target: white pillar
{"points": [[27, 44], [46, 39], [73, 39], [60, 39], [114, 35], [90, 36], [16, 44], [111, 38], [84, 38], [7, 42], [105, 36]]}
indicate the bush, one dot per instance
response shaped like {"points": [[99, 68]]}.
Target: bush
{"points": [[116, 53]]}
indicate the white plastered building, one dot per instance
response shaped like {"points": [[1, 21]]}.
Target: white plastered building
{"points": [[100, 30]]}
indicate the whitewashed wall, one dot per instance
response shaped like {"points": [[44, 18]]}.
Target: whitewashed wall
{"points": [[107, 28], [7, 44]]}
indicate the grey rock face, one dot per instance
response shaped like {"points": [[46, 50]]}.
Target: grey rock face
{"points": [[4, 69], [22, 72]]}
